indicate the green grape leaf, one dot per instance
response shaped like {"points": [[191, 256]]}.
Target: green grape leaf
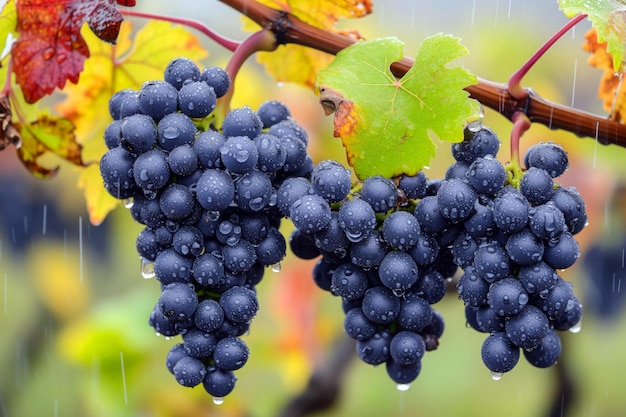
{"points": [[608, 17], [387, 125]]}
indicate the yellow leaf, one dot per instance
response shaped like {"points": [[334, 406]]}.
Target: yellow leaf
{"points": [[99, 201], [47, 134], [304, 63], [112, 68]]}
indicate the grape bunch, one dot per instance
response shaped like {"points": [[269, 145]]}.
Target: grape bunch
{"points": [[377, 256], [513, 235], [208, 200]]}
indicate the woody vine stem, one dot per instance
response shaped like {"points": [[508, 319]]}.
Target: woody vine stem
{"points": [[497, 96]]}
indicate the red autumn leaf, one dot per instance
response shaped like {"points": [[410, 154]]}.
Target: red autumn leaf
{"points": [[50, 49]]}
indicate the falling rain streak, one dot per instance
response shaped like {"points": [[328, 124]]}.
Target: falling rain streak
{"points": [[123, 378], [80, 246], [45, 219], [574, 81], [6, 292]]}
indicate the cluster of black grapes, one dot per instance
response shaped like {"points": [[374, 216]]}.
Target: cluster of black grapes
{"points": [[207, 199], [511, 241], [377, 257]]}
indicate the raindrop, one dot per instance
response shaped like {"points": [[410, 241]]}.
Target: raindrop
{"points": [[6, 293], [218, 400], [80, 247], [45, 218], [48, 53], [276, 267], [128, 202], [577, 327], [147, 269], [403, 387], [496, 376], [123, 378], [171, 132]]}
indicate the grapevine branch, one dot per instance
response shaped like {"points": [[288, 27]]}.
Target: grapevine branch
{"points": [[289, 29]]}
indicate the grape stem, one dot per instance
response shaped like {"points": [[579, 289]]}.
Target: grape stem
{"points": [[227, 43], [289, 29], [515, 82], [521, 123], [263, 40]]}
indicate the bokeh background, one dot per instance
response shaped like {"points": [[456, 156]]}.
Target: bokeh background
{"points": [[74, 338]]}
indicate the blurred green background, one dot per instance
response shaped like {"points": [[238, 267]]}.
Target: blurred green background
{"points": [[73, 306]]}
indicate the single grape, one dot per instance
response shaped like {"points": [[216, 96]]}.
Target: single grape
{"points": [[349, 282], [178, 301], [413, 186], [357, 219], [331, 181], [528, 328], [138, 133], [375, 350], [401, 230], [498, 353], [380, 193], [116, 169], [398, 271], [510, 210], [310, 213], [217, 78], [272, 153], [151, 171], [537, 186], [218, 382], [357, 326], [175, 129], [157, 99], [272, 112], [189, 371], [407, 348], [486, 175], [215, 190], [380, 305], [196, 99], [549, 156], [240, 304], [180, 71], [472, 288], [231, 353], [524, 247], [507, 297], [207, 148], [177, 202], [415, 313], [209, 316], [242, 121]]}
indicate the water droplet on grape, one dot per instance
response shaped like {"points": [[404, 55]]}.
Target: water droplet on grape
{"points": [[577, 327], [403, 387], [147, 269], [276, 267], [128, 202], [218, 400], [496, 376], [171, 132]]}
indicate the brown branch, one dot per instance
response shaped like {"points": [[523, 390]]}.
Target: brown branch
{"points": [[289, 29]]}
